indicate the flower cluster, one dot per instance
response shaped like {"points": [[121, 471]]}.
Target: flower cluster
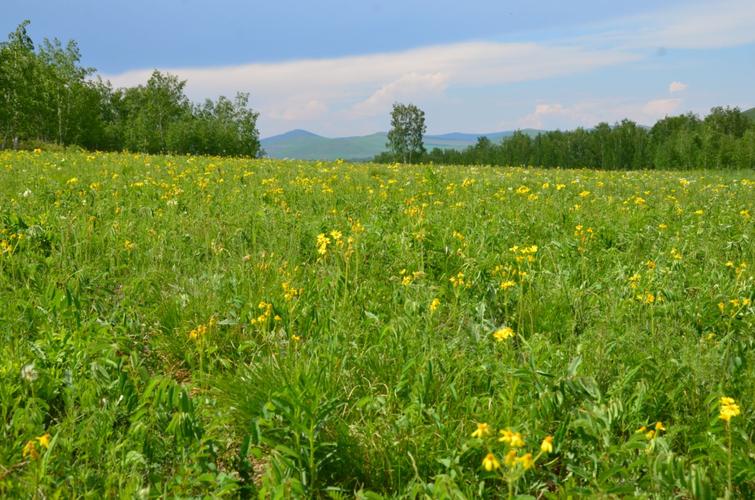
{"points": [[651, 434], [290, 292], [525, 253], [266, 309], [458, 281], [504, 333], [729, 409], [201, 330], [30, 448], [516, 459]]}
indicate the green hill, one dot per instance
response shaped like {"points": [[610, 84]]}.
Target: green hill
{"points": [[304, 145], [750, 113]]}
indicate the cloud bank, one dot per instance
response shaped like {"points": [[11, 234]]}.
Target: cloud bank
{"points": [[354, 94]]}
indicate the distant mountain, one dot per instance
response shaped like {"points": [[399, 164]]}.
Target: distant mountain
{"points": [[750, 113], [305, 145]]}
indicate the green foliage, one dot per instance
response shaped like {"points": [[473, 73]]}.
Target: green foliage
{"points": [[200, 326], [722, 140], [405, 139], [46, 96]]}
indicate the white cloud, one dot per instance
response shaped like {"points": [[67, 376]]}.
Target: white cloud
{"points": [[660, 108], [677, 87], [353, 94], [698, 25], [707, 25], [589, 113], [409, 87], [357, 87], [299, 111]]}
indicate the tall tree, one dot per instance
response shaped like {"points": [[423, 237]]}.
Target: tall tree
{"points": [[405, 139], [19, 87]]}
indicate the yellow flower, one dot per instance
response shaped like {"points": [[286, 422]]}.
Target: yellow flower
{"points": [[513, 439], [198, 332], [729, 408], [129, 246], [458, 280], [490, 463], [30, 450], [503, 333], [44, 440], [584, 194], [322, 244], [434, 304], [659, 426], [505, 285], [526, 460], [547, 445], [510, 458], [650, 434], [482, 430]]}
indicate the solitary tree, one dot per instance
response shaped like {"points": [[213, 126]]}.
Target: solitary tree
{"points": [[407, 131]]}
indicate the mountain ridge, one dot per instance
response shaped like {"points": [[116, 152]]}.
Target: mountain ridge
{"points": [[305, 145]]}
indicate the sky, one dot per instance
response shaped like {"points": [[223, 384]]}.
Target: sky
{"points": [[335, 67]]}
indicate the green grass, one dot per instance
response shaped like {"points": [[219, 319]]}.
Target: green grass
{"points": [[203, 326]]}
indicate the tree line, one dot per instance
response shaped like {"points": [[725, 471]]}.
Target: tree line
{"points": [[725, 138], [47, 96]]}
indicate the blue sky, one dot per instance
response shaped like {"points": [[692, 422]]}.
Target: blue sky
{"points": [[335, 67]]}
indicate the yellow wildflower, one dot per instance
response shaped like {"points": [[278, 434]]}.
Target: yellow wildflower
{"points": [[513, 439], [505, 285], [458, 280], [482, 430], [729, 408], [547, 445], [503, 333], [322, 244], [434, 304], [44, 440], [490, 463], [526, 460], [30, 450]]}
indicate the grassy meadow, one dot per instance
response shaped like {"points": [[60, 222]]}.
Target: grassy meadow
{"points": [[197, 326]]}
